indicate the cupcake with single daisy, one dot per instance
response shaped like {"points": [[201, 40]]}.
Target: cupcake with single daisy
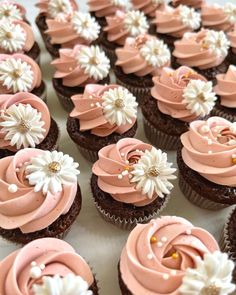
{"points": [[169, 255], [178, 97], [46, 266], [102, 115], [131, 182], [138, 61], [40, 196], [77, 67], [148, 7], [12, 11], [207, 163], [232, 51]]}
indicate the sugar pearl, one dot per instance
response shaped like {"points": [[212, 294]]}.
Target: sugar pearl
{"points": [[166, 276], [173, 272], [205, 129], [12, 188], [149, 256], [122, 154], [120, 176], [159, 244], [209, 152], [188, 232], [164, 239]]}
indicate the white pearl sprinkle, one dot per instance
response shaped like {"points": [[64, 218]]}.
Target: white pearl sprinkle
{"points": [[164, 239], [70, 69], [98, 104], [17, 169], [130, 176], [205, 129], [124, 172], [209, 152], [12, 188], [33, 263], [42, 266], [137, 150], [122, 154], [126, 162], [188, 232], [166, 276], [173, 272], [149, 256], [159, 244], [205, 137], [120, 176], [90, 96], [233, 156], [209, 142], [92, 105], [35, 272]]}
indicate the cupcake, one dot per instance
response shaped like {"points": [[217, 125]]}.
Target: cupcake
{"points": [[138, 61], [25, 122], [206, 163], [148, 7], [40, 196], [18, 72], [172, 23], [226, 90], [11, 11], [205, 51], [79, 28], [102, 115], [119, 27], [169, 255], [131, 182], [177, 98], [46, 266], [76, 68], [232, 52]]}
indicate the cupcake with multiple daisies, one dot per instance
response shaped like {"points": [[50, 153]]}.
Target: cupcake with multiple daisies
{"points": [[12, 11], [232, 52], [170, 255], [131, 182], [46, 266], [77, 67], [196, 4], [206, 163], [178, 97], [148, 7], [40, 196]]}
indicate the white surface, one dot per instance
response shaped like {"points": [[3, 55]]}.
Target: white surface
{"points": [[100, 243]]}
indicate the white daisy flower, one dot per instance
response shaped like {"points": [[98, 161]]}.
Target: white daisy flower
{"points": [[217, 42], [190, 17], [230, 11], [56, 7], [9, 12], [136, 23]]}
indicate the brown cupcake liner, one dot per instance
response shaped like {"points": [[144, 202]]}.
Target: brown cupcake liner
{"points": [[65, 101], [110, 53], [220, 113], [90, 155]]}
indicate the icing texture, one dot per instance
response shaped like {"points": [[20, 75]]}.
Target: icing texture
{"points": [[103, 8], [149, 7], [191, 3]]}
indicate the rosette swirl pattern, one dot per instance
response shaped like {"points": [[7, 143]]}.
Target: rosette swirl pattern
{"points": [[209, 148], [148, 7], [161, 251], [103, 8]]}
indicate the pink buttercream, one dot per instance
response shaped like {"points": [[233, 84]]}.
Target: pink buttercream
{"points": [[147, 6], [216, 166], [131, 61], [232, 39], [37, 75], [168, 90], [7, 100], [58, 257], [43, 6], [190, 51], [144, 276], [192, 3], [226, 88], [92, 118], [111, 163], [103, 8], [18, 6]]}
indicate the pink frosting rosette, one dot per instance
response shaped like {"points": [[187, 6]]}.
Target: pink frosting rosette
{"points": [[191, 3], [209, 148], [232, 39], [149, 7], [158, 254], [11, 10], [226, 87], [57, 257], [103, 8], [53, 10]]}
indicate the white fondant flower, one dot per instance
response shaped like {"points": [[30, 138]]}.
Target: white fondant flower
{"points": [[152, 173], [85, 25], [22, 125], [212, 275], [199, 97], [16, 75], [230, 11], [136, 23], [94, 62], [9, 12], [120, 106], [189, 17], [155, 52], [217, 42], [69, 285], [58, 7], [51, 170], [12, 36], [120, 3]]}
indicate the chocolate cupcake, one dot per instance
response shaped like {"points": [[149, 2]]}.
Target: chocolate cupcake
{"points": [[169, 255], [148, 7], [131, 182], [197, 4], [102, 115], [177, 98], [46, 266], [77, 67], [205, 52], [40, 196], [138, 61], [226, 90], [18, 72], [232, 51], [207, 163], [11, 11]]}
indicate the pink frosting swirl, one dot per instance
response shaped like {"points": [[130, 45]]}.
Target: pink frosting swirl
{"points": [[192, 3], [92, 118], [226, 87], [209, 148], [168, 90], [131, 61], [58, 257], [26, 209], [37, 74], [43, 6], [148, 7], [103, 8], [143, 264], [232, 39]]}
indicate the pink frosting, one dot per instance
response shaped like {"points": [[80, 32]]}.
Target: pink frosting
{"points": [[7, 100], [144, 276], [103, 8], [37, 75], [26, 209], [232, 39], [111, 163], [58, 257], [92, 118], [190, 51], [132, 62], [168, 90], [20, 7], [43, 6], [211, 153], [226, 88], [192, 3], [147, 6]]}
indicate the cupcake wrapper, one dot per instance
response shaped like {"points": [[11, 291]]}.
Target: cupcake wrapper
{"points": [[159, 138], [91, 156], [65, 101], [110, 54], [43, 96], [219, 113], [197, 199]]}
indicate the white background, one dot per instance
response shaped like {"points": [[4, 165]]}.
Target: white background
{"points": [[100, 243]]}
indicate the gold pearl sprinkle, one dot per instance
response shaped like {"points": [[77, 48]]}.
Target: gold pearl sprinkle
{"points": [[93, 61], [54, 167], [119, 103], [7, 12], [24, 126], [153, 172], [175, 255], [234, 161], [16, 74], [153, 240], [210, 290], [8, 35]]}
